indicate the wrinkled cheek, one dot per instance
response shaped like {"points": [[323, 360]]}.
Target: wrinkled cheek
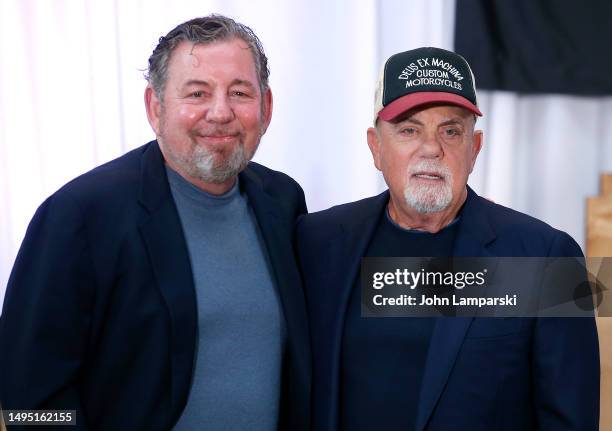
{"points": [[188, 114], [248, 116], [399, 172], [251, 120], [395, 174]]}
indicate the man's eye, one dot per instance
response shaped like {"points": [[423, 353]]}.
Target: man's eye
{"points": [[240, 93], [197, 94], [409, 131], [451, 132]]}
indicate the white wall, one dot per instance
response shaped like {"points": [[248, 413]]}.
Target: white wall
{"points": [[71, 98]]}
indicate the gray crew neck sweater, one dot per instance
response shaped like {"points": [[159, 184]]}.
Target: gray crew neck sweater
{"points": [[237, 374]]}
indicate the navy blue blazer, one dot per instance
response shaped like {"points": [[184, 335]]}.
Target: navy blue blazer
{"points": [[480, 374], [100, 310]]}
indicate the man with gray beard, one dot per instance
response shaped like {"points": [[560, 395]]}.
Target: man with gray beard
{"points": [[436, 373], [160, 290]]}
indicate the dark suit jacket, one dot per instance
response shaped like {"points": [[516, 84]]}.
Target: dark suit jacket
{"points": [[100, 310], [480, 374]]}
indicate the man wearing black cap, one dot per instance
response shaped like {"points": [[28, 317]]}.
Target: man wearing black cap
{"points": [[436, 373]]}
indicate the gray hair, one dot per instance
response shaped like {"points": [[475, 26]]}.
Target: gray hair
{"points": [[205, 30]]}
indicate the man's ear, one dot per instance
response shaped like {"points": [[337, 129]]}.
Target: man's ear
{"points": [[153, 107], [266, 110], [374, 144], [476, 147]]}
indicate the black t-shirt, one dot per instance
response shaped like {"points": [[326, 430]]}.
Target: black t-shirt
{"points": [[383, 358]]}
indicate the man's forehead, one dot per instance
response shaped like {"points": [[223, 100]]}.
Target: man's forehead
{"points": [[232, 58], [194, 54], [439, 112]]}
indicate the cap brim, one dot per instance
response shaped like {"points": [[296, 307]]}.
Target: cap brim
{"points": [[410, 101]]}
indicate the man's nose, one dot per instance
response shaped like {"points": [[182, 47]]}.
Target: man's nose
{"points": [[220, 110], [431, 145]]}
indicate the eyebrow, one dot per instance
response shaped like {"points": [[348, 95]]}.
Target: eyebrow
{"points": [[242, 82], [410, 120], [199, 82], [193, 82], [448, 122], [451, 122]]}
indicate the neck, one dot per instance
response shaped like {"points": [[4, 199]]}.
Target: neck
{"points": [[406, 217], [212, 188]]}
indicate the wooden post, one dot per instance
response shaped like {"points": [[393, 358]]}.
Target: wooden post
{"points": [[599, 243]]}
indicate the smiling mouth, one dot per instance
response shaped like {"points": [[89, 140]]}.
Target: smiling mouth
{"points": [[428, 176], [217, 139]]}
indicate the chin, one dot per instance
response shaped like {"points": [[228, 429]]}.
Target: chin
{"points": [[428, 199]]}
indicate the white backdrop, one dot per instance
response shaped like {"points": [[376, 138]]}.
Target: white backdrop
{"points": [[71, 98]]}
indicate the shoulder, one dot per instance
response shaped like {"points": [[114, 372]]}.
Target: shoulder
{"points": [[530, 235], [113, 178], [323, 226], [271, 179], [107, 193], [346, 213], [276, 184]]}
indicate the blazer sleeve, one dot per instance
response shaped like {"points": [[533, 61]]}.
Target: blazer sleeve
{"points": [[46, 314], [566, 364]]}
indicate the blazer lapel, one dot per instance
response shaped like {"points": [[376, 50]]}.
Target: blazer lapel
{"points": [[446, 341], [474, 234], [475, 230], [356, 236], [277, 231], [165, 242]]}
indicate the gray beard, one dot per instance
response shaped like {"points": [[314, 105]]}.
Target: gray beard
{"points": [[204, 166], [427, 199]]}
